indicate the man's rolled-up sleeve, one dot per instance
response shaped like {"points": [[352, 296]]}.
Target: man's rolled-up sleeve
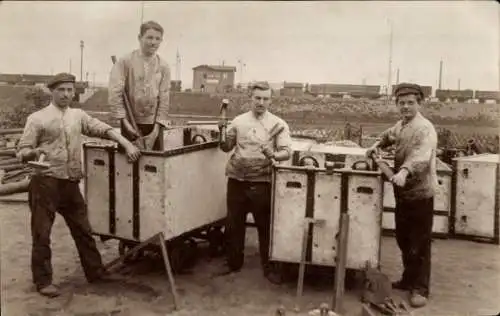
{"points": [[116, 89], [31, 134], [164, 95], [388, 137], [421, 151], [284, 140], [92, 127]]}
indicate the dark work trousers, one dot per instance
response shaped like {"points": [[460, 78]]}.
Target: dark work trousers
{"points": [[47, 196], [145, 130], [414, 235], [244, 197]]}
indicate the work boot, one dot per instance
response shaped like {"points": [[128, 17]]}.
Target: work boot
{"points": [[49, 291], [417, 299]]}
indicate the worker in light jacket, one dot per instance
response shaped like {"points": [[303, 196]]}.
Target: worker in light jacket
{"points": [[144, 78], [414, 182], [249, 176], [56, 130]]}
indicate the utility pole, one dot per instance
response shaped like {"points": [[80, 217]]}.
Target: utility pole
{"points": [[142, 12], [389, 72], [242, 64], [81, 60], [70, 65], [397, 77], [459, 84], [440, 73], [93, 80], [178, 66], [87, 76]]}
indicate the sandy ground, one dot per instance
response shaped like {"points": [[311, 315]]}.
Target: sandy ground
{"points": [[465, 280]]}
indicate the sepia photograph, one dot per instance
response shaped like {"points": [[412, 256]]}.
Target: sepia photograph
{"points": [[250, 158]]}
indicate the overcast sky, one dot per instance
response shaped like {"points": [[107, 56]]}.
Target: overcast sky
{"points": [[315, 42]]}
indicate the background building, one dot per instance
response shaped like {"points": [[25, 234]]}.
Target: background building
{"points": [[209, 78], [292, 89]]}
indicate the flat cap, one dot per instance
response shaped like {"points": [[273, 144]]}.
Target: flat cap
{"points": [[261, 85], [408, 88], [60, 78]]}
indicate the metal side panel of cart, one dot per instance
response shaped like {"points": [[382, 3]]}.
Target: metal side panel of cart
{"points": [[173, 192], [476, 205], [365, 193], [195, 190], [97, 164], [298, 192]]}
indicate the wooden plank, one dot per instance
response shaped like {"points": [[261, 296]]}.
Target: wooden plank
{"points": [[341, 260]]}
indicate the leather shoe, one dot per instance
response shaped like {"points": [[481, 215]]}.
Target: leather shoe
{"points": [[417, 299], [49, 291]]}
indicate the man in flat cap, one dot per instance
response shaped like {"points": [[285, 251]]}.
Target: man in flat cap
{"points": [[56, 130], [414, 182], [144, 78], [249, 176]]}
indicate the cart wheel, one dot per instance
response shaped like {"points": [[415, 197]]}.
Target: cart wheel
{"points": [[174, 255], [123, 247], [182, 255], [215, 238]]}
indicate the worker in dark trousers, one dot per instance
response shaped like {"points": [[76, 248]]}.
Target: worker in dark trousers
{"points": [[414, 183], [144, 78], [56, 130], [249, 177]]}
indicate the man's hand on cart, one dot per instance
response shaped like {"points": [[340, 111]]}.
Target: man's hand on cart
{"points": [[133, 153], [372, 150], [268, 151], [399, 178]]}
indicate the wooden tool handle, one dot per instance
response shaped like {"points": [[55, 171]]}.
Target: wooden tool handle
{"points": [[42, 157], [383, 166]]}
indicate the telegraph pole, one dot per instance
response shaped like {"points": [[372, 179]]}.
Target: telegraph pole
{"points": [[440, 73], [242, 64], [390, 63], [178, 66], [458, 83], [93, 80], [70, 65], [81, 60], [397, 77], [142, 12]]}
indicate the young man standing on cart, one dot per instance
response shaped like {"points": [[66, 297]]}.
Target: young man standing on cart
{"points": [[249, 176], [56, 131], [414, 183], [144, 79]]}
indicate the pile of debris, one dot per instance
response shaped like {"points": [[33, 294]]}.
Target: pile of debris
{"points": [[14, 175]]}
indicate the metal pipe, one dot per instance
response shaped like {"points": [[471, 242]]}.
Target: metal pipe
{"points": [[7, 162], [14, 187], [11, 131], [9, 152]]}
